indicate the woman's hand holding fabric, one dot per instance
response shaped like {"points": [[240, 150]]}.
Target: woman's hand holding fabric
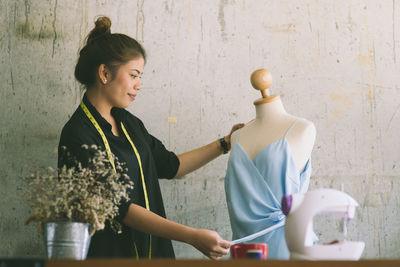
{"points": [[210, 243]]}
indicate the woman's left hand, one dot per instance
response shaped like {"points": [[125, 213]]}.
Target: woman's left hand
{"points": [[228, 137]]}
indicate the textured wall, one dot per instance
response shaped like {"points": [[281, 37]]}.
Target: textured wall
{"points": [[335, 63]]}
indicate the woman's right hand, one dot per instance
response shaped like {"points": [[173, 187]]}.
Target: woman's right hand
{"points": [[210, 243], [207, 241]]}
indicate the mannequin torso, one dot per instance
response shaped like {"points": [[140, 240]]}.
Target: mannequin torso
{"points": [[270, 125], [269, 159]]}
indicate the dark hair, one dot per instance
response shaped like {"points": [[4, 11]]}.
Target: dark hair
{"points": [[104, 47]]}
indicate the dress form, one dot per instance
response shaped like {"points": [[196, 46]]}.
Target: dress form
{"points": [[271, 124]]}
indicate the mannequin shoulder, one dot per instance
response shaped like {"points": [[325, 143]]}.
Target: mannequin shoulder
{"points": [[304, 129], [235, 134], [301, 140], [306, 126]]}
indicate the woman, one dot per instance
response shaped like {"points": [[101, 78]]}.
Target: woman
{"points": [[110, 67]]}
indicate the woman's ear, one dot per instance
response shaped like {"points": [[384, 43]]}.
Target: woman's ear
{"points": [[104, 74]]}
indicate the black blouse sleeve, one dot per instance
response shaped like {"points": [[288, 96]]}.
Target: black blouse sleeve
{"points": [[167, 163]]}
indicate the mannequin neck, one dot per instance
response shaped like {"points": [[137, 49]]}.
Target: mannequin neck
{"points": [[270, 110]]}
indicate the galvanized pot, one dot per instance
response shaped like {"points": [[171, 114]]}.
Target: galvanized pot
{"points": [[66, 240]]}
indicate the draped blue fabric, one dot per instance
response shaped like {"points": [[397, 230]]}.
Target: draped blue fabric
{"points": [[254, 189]]}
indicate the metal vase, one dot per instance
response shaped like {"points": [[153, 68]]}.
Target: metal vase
{"points": [[66, 240]]}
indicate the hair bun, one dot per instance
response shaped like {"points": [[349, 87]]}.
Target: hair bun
{"points": [[102, 27]]}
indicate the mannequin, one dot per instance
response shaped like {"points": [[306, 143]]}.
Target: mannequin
{"points": [[270, 158], [272, 122]]}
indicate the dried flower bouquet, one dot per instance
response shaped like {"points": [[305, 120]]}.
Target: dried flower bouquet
{"points": [[79, 194]]}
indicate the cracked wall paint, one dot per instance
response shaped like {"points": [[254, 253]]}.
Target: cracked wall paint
{"points": [[140, 21], [333, 62], [54, 27], [221, 18]]}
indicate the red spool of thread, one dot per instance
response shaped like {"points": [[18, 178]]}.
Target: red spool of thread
{"points": [[249, 251]]}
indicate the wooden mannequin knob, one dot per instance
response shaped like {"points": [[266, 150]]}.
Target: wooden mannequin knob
{"points": [[261, 80]]}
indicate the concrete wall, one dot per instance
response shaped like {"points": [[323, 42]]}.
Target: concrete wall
{"points": [[336, 63]]}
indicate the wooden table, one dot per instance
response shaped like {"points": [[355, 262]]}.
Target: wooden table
{"points": [[11, 262], [222, 263]]}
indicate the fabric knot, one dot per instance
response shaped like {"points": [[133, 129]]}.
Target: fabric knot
{"points": [[276, 216]]}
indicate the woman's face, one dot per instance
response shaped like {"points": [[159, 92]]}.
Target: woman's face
{"points": [[123, 88]]}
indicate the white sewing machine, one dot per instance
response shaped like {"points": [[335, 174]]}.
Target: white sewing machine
{"points": [[300, 210]]}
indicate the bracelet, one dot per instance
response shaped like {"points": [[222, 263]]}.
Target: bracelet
{"points": [[224, 145]]}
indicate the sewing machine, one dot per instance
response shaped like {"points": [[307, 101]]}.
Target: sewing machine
{"points": [[300, 210]]}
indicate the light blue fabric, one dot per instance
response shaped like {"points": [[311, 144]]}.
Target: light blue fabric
{"points": [[254, 189]]}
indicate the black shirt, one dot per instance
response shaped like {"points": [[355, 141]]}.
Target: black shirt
{"points": [[157, 162]]}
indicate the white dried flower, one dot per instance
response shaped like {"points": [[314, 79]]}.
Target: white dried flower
{"points": [[91, 194]]}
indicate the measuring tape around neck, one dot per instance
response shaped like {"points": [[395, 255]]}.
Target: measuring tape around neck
{"points": [[97, 126], [111, 159]]}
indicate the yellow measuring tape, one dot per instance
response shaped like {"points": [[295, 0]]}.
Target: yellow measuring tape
{"points": [[111, 159]]}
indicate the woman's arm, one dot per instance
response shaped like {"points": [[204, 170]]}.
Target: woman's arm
{"points": [[206, 241], [197, 158]]}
